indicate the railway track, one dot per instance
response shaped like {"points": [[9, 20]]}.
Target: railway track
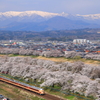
{"points": [[45, 96]]}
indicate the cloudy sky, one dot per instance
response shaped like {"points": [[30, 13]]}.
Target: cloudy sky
{"points": [[55, 6]]}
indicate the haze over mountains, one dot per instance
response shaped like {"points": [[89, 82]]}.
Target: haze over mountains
{"points": [[44, 21]]}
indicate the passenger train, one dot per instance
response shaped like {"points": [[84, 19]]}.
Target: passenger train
{"points": [[22, 85]]}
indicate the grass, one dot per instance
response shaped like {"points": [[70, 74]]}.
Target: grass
{"points": [[14, 55], [70, 97]]}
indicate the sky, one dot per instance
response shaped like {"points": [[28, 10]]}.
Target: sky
{"points": [[82, 7]]}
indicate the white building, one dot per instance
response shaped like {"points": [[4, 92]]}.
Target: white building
{"points": [[80, 41]]}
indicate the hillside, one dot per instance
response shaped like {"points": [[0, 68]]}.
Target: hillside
{"points": [[60, 35]]}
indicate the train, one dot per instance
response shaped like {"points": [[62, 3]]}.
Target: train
{"points": [[22, 85]]}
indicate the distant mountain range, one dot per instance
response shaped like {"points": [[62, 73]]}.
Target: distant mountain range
{"points": [[45, 21]]}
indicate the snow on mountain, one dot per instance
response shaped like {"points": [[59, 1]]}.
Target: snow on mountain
{"points": [[90, 16], [47, 14], [10, 13], [28, 13], [43, 14]]}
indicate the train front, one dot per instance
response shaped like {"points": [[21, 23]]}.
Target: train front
{"points": [[41, 91]]}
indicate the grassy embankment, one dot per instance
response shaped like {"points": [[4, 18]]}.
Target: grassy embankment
{"points": [[62, 59]]}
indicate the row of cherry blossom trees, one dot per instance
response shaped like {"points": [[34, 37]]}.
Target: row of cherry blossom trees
{"points": [[93, 56], [75, 77], [52, 53]]}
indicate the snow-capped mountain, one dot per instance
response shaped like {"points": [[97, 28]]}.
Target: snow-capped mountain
{"points": [[39, 20], [46, 14], [28, 13], [26, 16]]}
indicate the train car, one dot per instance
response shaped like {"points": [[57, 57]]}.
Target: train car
{"points": [[23, 85]]}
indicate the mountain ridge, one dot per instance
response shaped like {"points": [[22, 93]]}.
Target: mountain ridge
{"points": [[44, 21], [27, 13], [46, 14]]}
